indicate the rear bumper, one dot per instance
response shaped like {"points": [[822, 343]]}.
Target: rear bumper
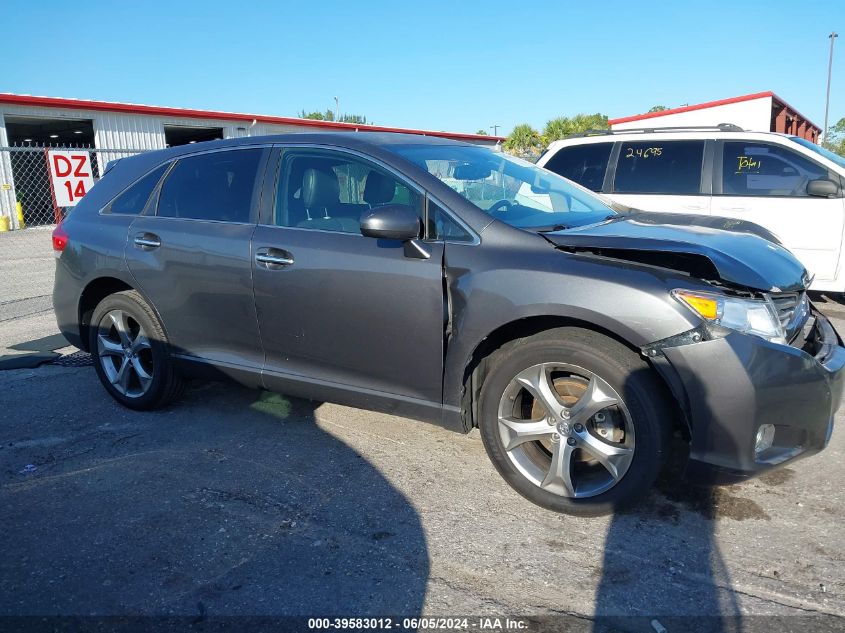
{"points": [[730, 386], [66, 292]]}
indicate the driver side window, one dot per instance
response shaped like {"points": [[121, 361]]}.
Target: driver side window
{"points": [[329, 191], [761, 169]]}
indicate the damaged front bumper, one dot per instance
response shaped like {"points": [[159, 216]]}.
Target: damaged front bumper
{"points": [[731, 384]]}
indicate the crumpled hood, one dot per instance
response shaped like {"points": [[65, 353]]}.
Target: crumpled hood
{"points": [[739, 258]]}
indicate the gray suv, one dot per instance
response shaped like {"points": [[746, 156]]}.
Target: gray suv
{"points": [[449, 283]]}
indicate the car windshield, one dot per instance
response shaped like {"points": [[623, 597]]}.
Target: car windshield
{"points": [[509, 189], [836, 158]]}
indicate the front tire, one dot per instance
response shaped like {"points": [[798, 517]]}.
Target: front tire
{"points": [[574, 421], [131, 353]]}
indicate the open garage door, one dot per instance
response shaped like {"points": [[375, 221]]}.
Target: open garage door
{"points": [[183, 135], [25, 130]]}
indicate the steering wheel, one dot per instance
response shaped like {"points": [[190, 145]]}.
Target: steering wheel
{"points": [[506, 205]]}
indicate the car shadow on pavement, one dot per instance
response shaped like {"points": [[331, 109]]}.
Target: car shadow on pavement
{"points": [[663, 569], [34, 352], [232, 503]]}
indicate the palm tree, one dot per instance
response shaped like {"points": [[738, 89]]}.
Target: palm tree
{"points": [[523, 139], [563, 126]]}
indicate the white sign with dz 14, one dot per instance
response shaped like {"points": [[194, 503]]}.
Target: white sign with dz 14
{"points": [[71, 176]]}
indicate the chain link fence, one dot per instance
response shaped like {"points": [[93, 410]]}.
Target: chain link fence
{"points": [[28, 213], [27, 198]]}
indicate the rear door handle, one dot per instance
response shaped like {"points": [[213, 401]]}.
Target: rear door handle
{"points": [[146, 241], [734, 208], [273, 258], [695, 207]]}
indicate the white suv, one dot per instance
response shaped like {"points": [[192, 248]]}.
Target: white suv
{"points": [[789, 185]]}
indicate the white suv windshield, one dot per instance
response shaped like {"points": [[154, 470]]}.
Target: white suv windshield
{"points": [[836, 158], [509, 189]]}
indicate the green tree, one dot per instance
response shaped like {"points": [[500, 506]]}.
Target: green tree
{"points": [[835, 138], [657, 108], [524, 141], [354, 118], [481, 133], [328, 115], [317, 115], [563, 126]]}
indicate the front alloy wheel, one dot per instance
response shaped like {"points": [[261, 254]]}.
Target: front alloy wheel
{"points": [[574, 421], [566, 429]]}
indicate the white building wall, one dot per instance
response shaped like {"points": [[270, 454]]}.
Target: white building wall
{"points": [[132, 132], [8, 198], [115, 130], [754, 115]]}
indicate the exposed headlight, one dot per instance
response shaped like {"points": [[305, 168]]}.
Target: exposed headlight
{"points": [[750, 316]]}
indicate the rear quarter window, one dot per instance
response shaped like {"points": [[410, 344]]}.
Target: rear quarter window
{"points": [[585, 164], [133, 200], [659, 167]]}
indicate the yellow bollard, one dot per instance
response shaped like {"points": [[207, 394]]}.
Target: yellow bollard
{"points": [[4, 223], [21, 223]]}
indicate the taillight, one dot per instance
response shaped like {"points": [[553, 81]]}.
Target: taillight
{"points": [[59, 240]]}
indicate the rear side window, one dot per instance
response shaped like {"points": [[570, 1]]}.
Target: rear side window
{"points": [[761, 169], [216, 186], [659, 167], [133, 200], [584, 164]]}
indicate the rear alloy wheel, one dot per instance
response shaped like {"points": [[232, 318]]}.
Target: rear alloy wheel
{"points": [[574, 421], [125, 354], [132, 356]]}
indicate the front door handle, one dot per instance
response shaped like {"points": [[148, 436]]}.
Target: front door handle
{"points": [[147, 241], [273, 258], [734, 208]]}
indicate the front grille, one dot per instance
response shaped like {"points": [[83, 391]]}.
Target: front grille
{"points": [[785, 306], [792, 308]]}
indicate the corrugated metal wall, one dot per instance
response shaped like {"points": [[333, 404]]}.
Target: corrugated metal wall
{"points": [[142, 132], [7, 192]]}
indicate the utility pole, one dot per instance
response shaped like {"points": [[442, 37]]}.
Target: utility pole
{"points": [[495, 129], [336, 109], [832, 37]]}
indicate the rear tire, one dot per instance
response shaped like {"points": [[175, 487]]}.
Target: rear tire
{"points": [[574, 421], [131, 353]]}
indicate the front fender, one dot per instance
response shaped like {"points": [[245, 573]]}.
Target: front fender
{"points": [[630, 302]]}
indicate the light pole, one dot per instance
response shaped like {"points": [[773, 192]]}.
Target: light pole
{"points": [[336, 109], [495, 129], [832, 37]]}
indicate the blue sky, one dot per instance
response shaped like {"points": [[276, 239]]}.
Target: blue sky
{"points": [[457, 66]]}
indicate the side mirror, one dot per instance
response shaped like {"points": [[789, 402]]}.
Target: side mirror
{"points": [[823, 188], [391, 222]]}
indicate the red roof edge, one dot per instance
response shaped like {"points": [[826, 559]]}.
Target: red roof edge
{"points": [[697, 106], [130, 108]]}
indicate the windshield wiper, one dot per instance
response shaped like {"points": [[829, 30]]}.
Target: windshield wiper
{"points": [[553, 228]]}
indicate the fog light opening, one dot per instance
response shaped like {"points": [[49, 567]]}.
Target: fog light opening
{"points": [[765, 437]]}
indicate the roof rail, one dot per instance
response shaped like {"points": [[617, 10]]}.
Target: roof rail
{"points": [[722, 127]]}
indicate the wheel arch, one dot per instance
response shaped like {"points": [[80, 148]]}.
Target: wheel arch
{"points": [[475, 365], [94, 292]]}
